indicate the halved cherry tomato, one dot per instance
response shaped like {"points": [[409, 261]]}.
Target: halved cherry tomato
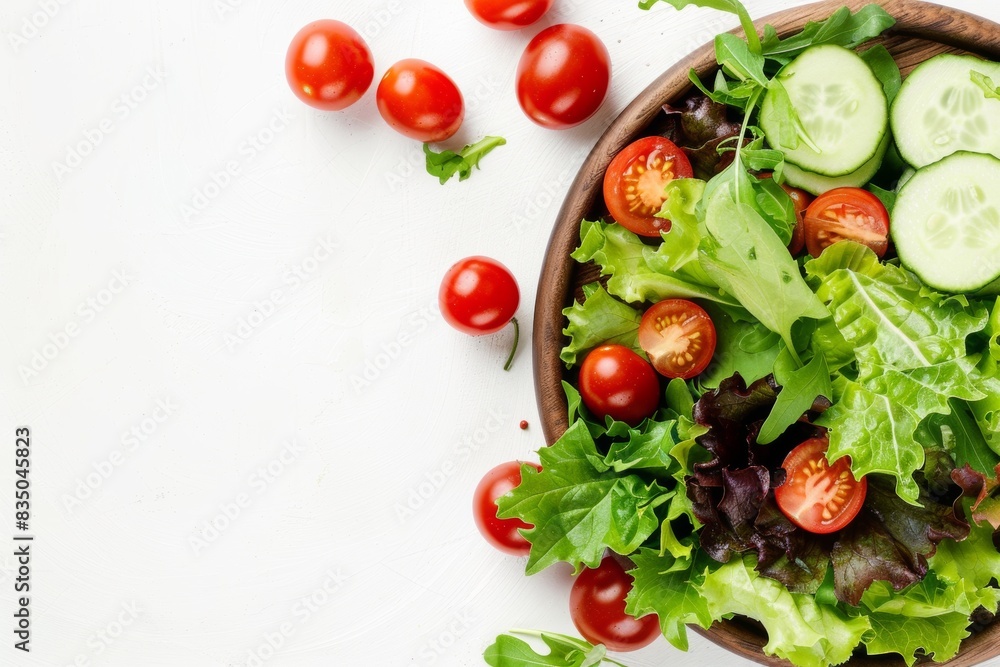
{"points": [[616, 381], [597, 607], [329, 65], [502, 534], [563, 76], [678, 336], [420, 101], [849, 214], [635, 180], [508, 14], [817, 496]]}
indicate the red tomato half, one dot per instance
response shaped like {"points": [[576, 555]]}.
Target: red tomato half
{"points": [[635, 180], [328, 65], [817, 496], [508, 14], [849, 214], [420, 101], [563, 76], [678, 336], [597, 607], [478, 296], [616, 381], [502, 534]]}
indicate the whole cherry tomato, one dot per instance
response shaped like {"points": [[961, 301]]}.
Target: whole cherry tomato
{"points": [[502, 534], [617, 382], [478, 295], [563, 76], [420, 101], [508, 14], [597, 607], [329, 65]]}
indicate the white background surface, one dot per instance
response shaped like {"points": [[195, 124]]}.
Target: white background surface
{"points": [[150, 423]]}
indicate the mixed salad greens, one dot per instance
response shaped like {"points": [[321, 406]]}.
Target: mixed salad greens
{"points": [[902, 378]]}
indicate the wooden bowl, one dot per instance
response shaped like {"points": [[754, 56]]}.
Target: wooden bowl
{"points": [[922, 30]]}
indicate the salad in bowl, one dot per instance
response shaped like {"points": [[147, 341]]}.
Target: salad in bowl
{"points": [[779, 409]]}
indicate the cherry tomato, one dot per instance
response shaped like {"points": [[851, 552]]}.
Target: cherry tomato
{"points": [[616, 381], [678, 336], [635, 180], [502, 534], [478, 296], [420, 101], [508, 14], [597, 607], [846, 213], [329, 65], [817, 496], [563, 76]]}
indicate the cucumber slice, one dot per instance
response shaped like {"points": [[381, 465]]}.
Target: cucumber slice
{"points": [[939, 110], [946, 222], [840, 104], [817, 184]]}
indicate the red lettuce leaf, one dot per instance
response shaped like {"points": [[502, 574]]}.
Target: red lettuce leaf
{"points": [[732, 496]]}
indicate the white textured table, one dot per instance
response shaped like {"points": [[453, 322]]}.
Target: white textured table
{"points": [[254, 439]]}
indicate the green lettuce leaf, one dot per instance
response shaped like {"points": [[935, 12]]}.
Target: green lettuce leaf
{"points": [[910, 344], [627, 260], [598, 320], [578, 511], [743, 345], [668, 587], [799, 629], [930, 617]]}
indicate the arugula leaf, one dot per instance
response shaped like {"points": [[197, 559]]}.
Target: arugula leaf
{"points": [[747, 259], [576, 510], [885, 69], [799, 390], [667, 586], [842, 28], [990, 89], [798, 628], [730, 6], [734, 56], [564, 651], [447, 163], [598, 320]]}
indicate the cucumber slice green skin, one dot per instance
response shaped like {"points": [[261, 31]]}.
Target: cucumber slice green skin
{"points": [[939, 110], [842, 108], [817, 184], [946, 222]]}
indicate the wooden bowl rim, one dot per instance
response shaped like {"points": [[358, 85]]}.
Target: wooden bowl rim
{"points": [[915, 19]]}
